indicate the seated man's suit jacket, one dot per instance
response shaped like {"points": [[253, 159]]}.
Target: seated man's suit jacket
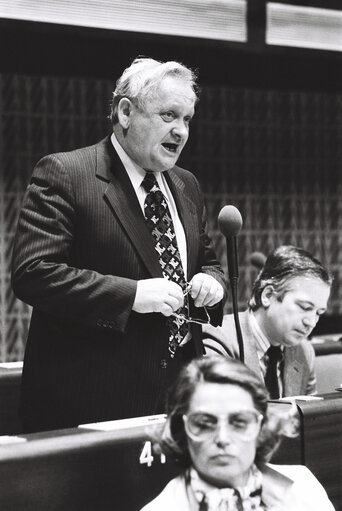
{"points": [[82, 244], [298, 363]]}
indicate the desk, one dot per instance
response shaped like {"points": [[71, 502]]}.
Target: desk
{"points": [[81, 470], [321, 423], [85, 470], [328, 362], [319, 445], [10, 381]]}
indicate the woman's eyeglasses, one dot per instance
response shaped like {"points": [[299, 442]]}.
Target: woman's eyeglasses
{"points": [[242, 424], [186, 317]]}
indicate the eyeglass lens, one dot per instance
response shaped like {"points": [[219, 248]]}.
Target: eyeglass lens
{"points": [[244, 424]]}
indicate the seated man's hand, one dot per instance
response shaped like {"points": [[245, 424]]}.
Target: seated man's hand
{"points": [[158, 295], [205, 290]]}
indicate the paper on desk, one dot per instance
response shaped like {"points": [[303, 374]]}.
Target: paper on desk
{"points": [[125, 423], [321, 339], [289, 399], [8, 439], [11, 365]]}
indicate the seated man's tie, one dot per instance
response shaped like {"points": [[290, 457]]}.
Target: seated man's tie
{"points": [[159, 222], [271, 378]]}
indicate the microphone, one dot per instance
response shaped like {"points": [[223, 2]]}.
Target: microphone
{"points": [[258, 260], [230, 223]]}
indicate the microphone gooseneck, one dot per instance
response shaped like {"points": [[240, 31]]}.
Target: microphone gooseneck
{"points": [[230, 223]]}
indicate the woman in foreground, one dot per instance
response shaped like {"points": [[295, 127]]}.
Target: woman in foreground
{"points": [[219, 430]]}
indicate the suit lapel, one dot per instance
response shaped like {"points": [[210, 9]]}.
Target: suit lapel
{"points": [[187, 212], [292, 373], [125, 205]]}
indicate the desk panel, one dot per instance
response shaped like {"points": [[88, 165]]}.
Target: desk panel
{"points": [[10, 381], [82, 469], [321, 423]]}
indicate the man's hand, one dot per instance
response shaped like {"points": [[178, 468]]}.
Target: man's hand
{"points": [[205, 290], [158, 295]]}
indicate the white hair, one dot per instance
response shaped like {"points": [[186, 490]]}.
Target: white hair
{"points": [[140, 80]]}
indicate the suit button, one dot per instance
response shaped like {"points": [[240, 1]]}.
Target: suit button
{"points": [[99, 322], [163, 363]]}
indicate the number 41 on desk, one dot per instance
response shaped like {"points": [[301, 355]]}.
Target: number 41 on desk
{"points": [[146, 456]]}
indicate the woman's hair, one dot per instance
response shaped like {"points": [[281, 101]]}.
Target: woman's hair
{"points": [[140, 80], [281, 266], [172, 440]]}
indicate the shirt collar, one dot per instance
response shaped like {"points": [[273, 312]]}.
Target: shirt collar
{"points": [[134, 171], [275, 485], [262, 342]]}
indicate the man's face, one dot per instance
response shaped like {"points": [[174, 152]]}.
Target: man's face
{"points": [[155, 136], [289, 320]]}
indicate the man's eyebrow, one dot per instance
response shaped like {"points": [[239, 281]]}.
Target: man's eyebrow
{"points": [[306, 300], [312, 304]]}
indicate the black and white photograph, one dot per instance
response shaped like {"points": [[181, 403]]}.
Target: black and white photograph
{"points": [[170, 255]]}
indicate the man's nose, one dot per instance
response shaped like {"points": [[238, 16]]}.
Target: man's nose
{"points": [[180, 130], [310, 320]]}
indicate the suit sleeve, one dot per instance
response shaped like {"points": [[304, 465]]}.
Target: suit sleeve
{"points": [[311, 386], [209, 262], [42, 272]]}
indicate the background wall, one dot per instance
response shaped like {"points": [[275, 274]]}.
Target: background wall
{"points": [[267, 137]]}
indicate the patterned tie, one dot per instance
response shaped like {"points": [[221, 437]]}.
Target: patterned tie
{"points": [[271, 378], [159, 222]]}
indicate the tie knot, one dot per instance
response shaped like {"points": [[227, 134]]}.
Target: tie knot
{"points": [[274, 353], [149, 182]]}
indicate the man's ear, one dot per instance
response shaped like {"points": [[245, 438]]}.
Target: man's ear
{"points": [[124, 112], [267, 295]]}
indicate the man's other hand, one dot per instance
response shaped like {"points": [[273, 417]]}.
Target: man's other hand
{"points": [[158, 295], [205, 290]]}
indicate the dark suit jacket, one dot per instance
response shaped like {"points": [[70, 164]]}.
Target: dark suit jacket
{"points": [[299, 361], [81, 246]]}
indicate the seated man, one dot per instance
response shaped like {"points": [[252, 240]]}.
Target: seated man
{"points": [[289, 295]]}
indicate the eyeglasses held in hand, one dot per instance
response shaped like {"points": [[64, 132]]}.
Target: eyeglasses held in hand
{"points": [[187, 317], [242, 424]]}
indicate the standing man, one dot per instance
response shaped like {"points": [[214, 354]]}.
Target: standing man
{"points": [[111, 242], [289, 295]]}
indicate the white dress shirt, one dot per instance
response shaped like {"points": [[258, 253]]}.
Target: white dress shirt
{"points": [[262, 345], [136, 175]]}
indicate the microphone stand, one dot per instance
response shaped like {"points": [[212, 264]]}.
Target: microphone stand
{"points": [[233, 272], [230, 223]]}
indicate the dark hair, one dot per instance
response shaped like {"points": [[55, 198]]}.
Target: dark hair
{"points": [[282, 265], [214, 369]]}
